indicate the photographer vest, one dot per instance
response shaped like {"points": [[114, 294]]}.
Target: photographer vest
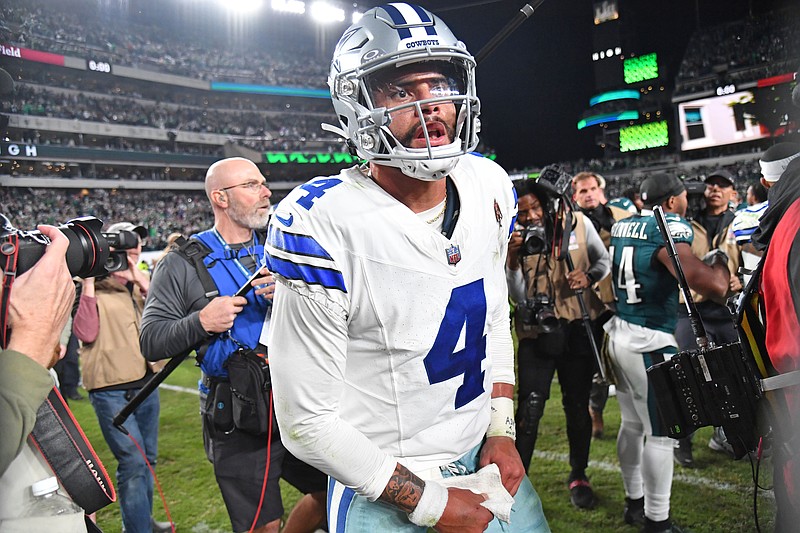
{"points": [[229, 274], [545, 274], [115, 358]]}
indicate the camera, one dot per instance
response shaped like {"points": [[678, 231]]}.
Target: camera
{"points": [[556, 179], [534, 241], [695, 198], [713, 387], [88, 255], [538, 311]]}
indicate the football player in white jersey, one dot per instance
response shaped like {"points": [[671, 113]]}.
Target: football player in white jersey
{"points": [[392, 359]]}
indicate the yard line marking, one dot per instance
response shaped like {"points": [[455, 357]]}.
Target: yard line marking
{"points": [[179, 389], [697, 481]]}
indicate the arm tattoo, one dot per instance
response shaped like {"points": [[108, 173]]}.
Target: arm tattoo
{"points": [[403, 490]]}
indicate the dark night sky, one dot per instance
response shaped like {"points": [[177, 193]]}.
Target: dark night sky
{"points": [[536, 84]]}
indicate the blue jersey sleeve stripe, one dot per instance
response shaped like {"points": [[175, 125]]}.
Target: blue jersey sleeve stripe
{"points": [[296, 244], [326, 277]]}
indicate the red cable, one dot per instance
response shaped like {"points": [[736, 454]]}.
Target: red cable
{"points": [[266, 470], [158, 485]]}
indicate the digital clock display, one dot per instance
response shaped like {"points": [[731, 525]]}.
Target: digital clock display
{"points": [[99, 66]]}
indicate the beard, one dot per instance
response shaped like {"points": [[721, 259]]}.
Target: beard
{"points": [[250, 218]]}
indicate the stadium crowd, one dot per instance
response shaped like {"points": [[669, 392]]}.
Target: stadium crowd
{"points": [[114, 38], [161, 212], [758, 47]]}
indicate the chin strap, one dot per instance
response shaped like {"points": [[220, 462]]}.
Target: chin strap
{"points": [[8, 262]]}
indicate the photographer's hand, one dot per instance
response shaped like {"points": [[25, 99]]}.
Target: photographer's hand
{"points": [[41, 301], [137, 275], [514, 244], [578, 279]]}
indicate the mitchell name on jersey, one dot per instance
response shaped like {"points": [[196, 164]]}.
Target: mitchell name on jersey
{"points": [[421, 310]]}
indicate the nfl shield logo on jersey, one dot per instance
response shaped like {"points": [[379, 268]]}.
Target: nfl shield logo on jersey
{"points": [[453, 254]]}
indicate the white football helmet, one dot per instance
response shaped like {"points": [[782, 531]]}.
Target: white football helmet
{"points": [[387, 38]]}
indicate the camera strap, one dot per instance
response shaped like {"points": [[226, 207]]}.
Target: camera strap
{"points": [[8, 250], [60, 439]]}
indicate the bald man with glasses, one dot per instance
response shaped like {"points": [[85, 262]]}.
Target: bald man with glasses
{"points": [[180, 316]]}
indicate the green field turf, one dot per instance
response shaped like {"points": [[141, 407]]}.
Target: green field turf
{"points": [[717, 497]]}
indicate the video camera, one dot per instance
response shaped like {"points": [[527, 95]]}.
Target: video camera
{"points": [[88, 255], [556, 179], [695, 197], [710, 387]]}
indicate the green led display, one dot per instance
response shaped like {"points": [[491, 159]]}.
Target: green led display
{"points": [[640, 68], [644, 136]]}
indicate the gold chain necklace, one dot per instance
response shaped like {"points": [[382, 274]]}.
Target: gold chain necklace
{"points": [[438, 215]]}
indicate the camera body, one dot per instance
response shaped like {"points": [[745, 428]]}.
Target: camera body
{"points": [[695, 197], [534, 241], [89, 253], [538, 311], [712, 387], [557, 179]]}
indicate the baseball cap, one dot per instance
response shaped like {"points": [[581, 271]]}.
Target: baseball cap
{"points": [[721, 173], [658, 187], [776, 158], [127, 226]]}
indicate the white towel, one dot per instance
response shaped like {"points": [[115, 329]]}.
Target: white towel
{"points": [[485, 481]]}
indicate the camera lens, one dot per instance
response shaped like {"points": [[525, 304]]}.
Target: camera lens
{"points": [[86, 253], [546, 319], [534, 240]]}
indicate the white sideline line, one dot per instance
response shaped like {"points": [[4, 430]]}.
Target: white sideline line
{"points": [[179, 389], [696, 481]]}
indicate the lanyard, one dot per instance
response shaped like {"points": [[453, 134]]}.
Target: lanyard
{"points": [[235, 255]]}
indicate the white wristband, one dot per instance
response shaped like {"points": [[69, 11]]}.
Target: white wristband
{"points": [[430, 506], [501, 423]]}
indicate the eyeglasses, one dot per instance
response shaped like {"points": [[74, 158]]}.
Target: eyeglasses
{"points": [[253, 186]]}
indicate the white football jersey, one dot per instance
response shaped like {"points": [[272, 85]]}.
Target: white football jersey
{"points": [[386, 336]]}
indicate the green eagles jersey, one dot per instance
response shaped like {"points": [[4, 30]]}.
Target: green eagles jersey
{"points": [[645, 291]]}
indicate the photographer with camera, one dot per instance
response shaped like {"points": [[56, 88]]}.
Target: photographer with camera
{"points": [[38, 308], [640, 335], [114, 370], [548, 320]]}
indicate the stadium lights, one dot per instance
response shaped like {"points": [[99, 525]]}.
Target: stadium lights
{"points": [[324, 12], [242, 6], [356, 16], [289, 6]]}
